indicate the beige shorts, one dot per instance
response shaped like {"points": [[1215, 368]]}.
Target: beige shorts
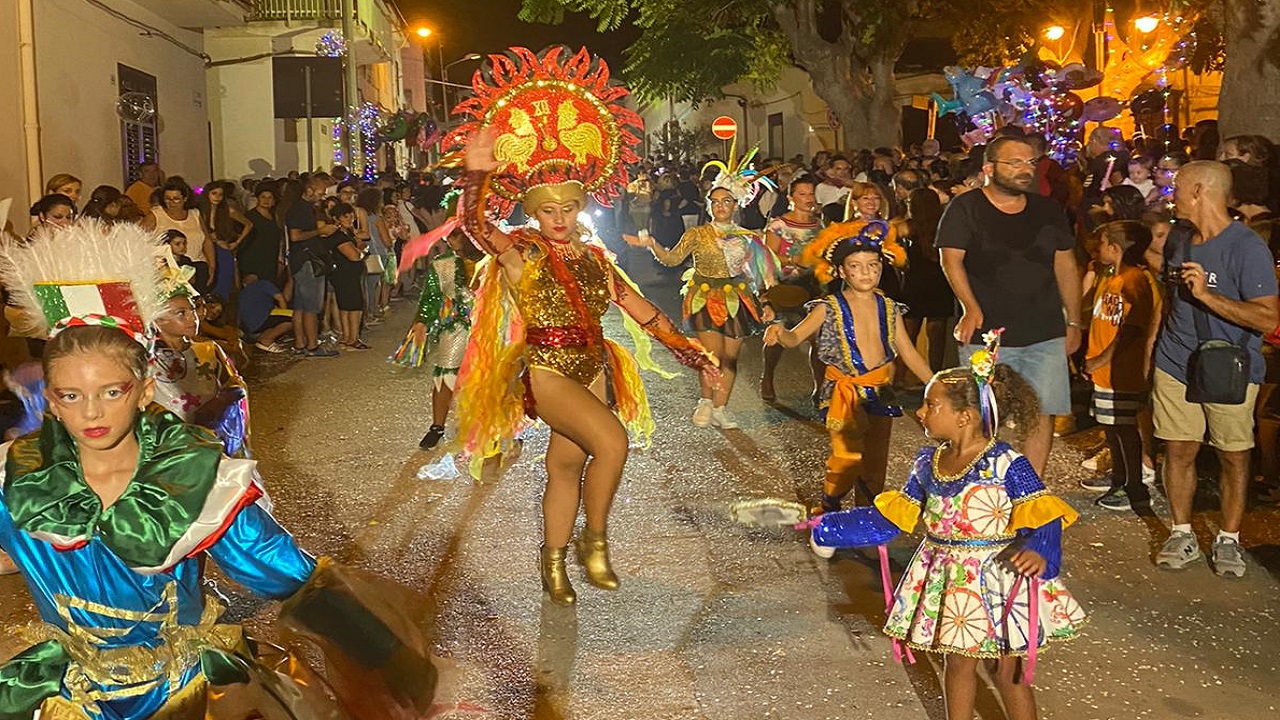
{"points": [[1230, 427]]}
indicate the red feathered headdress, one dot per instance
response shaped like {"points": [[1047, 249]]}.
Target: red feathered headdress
{"points": [[558, 120]]}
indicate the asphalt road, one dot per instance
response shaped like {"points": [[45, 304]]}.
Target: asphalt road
{"points": [[714, 620]]}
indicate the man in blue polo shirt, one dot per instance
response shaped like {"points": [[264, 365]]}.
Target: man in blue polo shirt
{"points": [[1228, 288]]}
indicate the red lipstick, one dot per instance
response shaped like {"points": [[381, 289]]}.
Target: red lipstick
{"points": [[96, 432]]}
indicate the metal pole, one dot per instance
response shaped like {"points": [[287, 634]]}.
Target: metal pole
{"points": [[354, 149], [444, 89], [311, 140]]}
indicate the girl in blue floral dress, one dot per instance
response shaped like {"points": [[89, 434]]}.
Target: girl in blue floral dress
{"points": [[983, 585]]}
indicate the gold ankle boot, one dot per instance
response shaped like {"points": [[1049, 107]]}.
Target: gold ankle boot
{"points": [[555, 579], [593, 553]]}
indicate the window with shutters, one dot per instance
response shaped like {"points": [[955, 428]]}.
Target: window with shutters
{"points": [[139, 141]]}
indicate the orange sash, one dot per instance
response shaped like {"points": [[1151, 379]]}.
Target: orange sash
{"points": [[844, 396]]}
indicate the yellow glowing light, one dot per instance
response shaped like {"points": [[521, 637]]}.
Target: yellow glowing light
{"points": [[423, 32], [1146, 23], [1055, 32]]}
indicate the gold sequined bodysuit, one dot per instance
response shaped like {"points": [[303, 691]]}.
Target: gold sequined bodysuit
{"points": [[557, 337]]}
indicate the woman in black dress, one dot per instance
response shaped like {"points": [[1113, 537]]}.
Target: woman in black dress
{"points": [[348, 277], [259, 255]]}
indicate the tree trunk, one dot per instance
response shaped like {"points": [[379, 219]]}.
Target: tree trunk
{"points": [[1250, 99], [857, 86]]}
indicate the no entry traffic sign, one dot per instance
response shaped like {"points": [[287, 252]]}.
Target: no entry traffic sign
{"points": [[724, 127]]}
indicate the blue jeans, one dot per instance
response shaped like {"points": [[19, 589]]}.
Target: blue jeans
{"points": [[308, 291], [1043, 365]]}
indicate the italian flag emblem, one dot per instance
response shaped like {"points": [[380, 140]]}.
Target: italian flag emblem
{"points": [[110, 301]]}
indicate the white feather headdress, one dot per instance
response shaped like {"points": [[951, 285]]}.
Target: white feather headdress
{"points": [[89, 273]]}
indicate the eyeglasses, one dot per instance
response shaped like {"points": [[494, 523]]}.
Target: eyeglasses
{"points": [[1019, 163]]}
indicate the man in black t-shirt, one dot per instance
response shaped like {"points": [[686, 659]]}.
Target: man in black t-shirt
{"points": [[308, 251], [1009, 256]]}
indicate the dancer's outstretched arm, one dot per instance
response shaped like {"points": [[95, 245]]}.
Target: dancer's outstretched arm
{"points": [[688, 352]]}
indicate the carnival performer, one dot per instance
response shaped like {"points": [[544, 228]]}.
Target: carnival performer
{"points": [[440, 330], [983, 585], [723, 290], [787, 236], [859, 333], [548, 130], [195, 379], [112, 506]]}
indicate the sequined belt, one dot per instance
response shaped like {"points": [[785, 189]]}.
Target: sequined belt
{"points": [[560, 336], [974, 542]]}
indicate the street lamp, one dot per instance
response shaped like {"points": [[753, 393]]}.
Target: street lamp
{"points": [[1146, 23], [425, 32], [465, 58], [1054, 32], [445, 76]]}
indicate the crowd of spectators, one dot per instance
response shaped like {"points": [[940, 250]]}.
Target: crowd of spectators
{"points": [[308, 257], [1144, 238]]}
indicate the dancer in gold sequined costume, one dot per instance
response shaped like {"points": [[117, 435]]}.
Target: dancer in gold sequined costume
{"points": [[541, 297], [723, 292]]}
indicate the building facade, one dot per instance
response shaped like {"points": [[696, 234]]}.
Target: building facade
{"points": [[95, 87], [247, 137], [65, 66]]}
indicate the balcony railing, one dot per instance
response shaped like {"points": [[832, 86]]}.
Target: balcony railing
{"points": [[289, 10], [376, 21]]}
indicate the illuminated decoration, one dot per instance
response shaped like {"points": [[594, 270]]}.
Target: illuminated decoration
{"points": [[368, 118], [1038, 95], [331, 44], [557, 119], [1034, 95], [1054, 32]]}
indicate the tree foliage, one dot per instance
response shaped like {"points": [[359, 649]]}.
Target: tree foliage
{"points": [[690, 49]]}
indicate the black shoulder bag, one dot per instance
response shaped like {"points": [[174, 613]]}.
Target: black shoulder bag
{"points": [[1218, 371]]}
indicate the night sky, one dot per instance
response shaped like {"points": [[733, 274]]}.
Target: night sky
{"points": [[488, 26]]}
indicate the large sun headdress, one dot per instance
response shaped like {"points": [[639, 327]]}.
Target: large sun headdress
{"points": [[88, 274], [739, 177], [562, 132]]}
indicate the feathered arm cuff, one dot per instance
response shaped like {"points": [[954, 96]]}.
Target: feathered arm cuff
{"points": [[485, 235]]}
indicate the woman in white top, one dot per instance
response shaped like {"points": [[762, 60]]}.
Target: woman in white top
{"points": [[176, 213]]}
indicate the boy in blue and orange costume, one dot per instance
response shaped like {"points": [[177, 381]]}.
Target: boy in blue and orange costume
{"points": [[859, 335]]}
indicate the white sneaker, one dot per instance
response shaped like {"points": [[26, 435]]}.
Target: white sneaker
{"points": [[822, 551], [723, 419], [702, 413], [1100, 460], [1149, 476]]}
